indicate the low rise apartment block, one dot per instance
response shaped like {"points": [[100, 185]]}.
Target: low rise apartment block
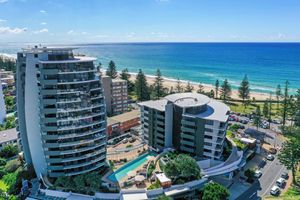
{"points": [[189, 122]]}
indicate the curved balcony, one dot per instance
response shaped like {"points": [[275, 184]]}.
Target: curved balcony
{"points": [[84, 163], [78, 150], [74, 143]]}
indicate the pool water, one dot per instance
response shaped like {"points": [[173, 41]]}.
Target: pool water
{"points": [[130, 166]]}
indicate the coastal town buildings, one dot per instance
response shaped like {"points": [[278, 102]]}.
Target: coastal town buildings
{"points": [[61, 112], [122, 123], [2, 105], [116, 95], [7, 78], [189, 122]]}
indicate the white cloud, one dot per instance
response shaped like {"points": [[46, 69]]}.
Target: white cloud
{"points": [[41, 11], [70, 32], [8, 30], [3, 20], [44, 30], [3, 1], [43, 23]]}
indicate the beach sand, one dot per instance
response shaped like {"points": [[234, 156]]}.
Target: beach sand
{"points": [[168, 83]]}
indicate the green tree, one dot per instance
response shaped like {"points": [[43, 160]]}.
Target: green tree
{"points": [[297, 106], [111, 70], [141, 87], [285, 103], [289, 156], [217, 85], [9, 151], [126, 76], [244, 90], [225, 90], [211, 94], [257, 117], [266, 109], [189, 87], [179, 87], [158, 87], [99, 67], [183, 166], [215, 191], [9, 102], [278, 95], [200, 89]]}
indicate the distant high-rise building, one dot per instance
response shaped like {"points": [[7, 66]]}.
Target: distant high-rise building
{"points": [[61, 112], [2, 105], [189, 122], [116, 95]]}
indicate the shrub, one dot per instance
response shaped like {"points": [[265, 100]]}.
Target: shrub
{"points": [[154, 186], [2, 173], [2, 162], [215, 191], [12, 166], [9, 151]]}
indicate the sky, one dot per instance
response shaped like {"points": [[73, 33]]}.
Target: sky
{"points": [[97, 21]]}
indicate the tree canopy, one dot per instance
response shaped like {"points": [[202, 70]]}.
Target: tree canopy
{"points": [[158, 88], [111, 70], [244, 89], [289, 156], [183, 166], [225, 90], [215, 191], [141, 87], [189, 87], [217, 85]]}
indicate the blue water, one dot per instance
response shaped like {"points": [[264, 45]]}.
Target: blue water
{"points": [[266, 64], [128, 167]]}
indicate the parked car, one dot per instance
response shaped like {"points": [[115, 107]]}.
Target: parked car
{"points": [[270, 157], [273, 150], [262, 163], [257, 173], [285, 175], [281, 182], [275, 190]]}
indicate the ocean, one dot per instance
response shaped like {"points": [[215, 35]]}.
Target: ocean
{"points": [[265, 64]]}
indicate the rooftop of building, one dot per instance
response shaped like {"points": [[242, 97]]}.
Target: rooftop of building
{"points": [[123, 117], [155, 104], [8, 135], [188, 99], [215, 111], [75, 60], [37, 49]]}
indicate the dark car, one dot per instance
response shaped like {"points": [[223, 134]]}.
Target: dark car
{"points": [[285, 175], [262, 163]]}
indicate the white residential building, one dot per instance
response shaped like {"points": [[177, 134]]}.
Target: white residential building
{"points": [[189, 122]]}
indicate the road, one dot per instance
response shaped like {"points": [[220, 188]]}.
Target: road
{"points": [[270, 172]]}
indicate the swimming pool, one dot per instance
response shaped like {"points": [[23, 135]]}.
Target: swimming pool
{"points": [[128, 167]]}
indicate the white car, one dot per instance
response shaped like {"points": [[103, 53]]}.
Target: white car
{"points": [[270, 157], [257, 173], [281, 182], [275, 190]]}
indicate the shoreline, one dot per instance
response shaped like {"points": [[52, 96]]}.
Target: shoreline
{"points": [[169, 82]]}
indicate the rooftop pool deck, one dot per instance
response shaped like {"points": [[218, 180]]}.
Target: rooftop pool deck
{"points": [[130, 166]]}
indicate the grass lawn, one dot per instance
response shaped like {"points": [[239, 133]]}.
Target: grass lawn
{"points": [[239, 107]]}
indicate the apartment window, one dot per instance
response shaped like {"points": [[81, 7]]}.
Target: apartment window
{"points": [[36, 55], [208, 137], [208, 130], [209, 122], [37, 65]]}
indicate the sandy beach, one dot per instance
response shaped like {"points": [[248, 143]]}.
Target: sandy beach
{"points": [[207, 88]]}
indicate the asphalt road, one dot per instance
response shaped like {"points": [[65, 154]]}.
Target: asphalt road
{"points": [[270, 172]]}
